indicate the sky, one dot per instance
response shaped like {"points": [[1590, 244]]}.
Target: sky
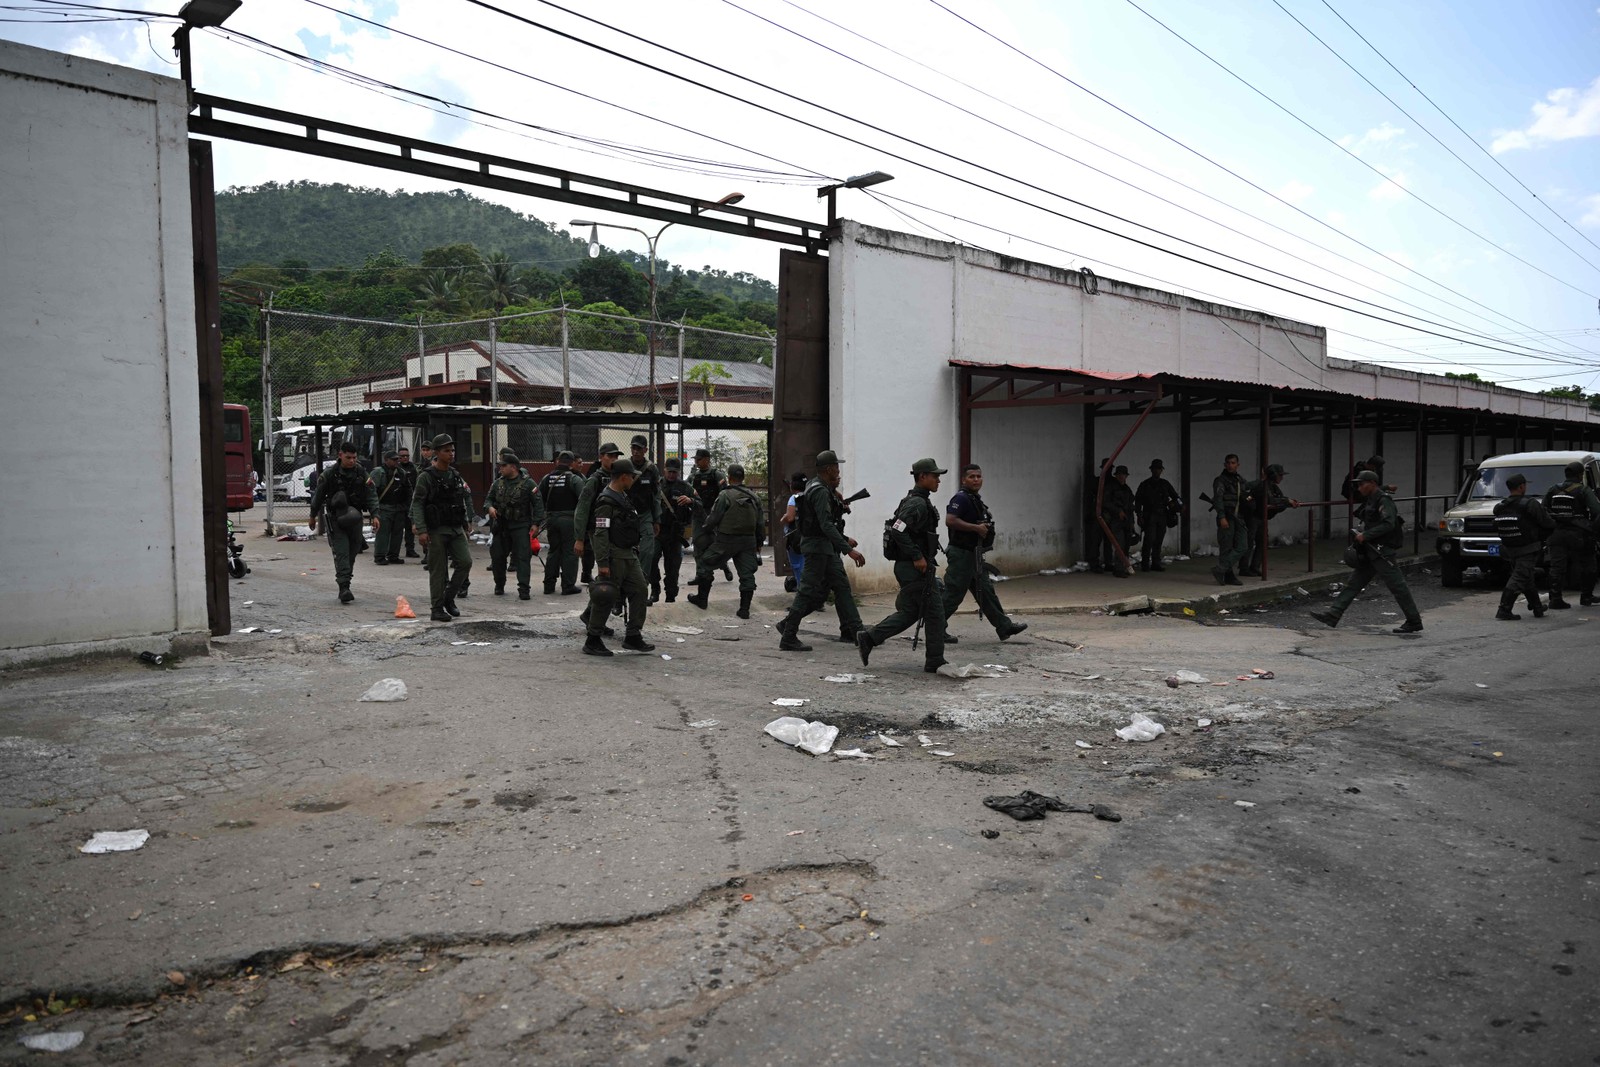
{"points": [[1394, 170]]}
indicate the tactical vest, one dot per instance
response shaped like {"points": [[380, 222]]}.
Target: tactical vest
{"points": [[1512, 522], [510, 498], [560, 489], [924, 538], [352, 483], [743, 515], [623, 533], [1563, 504], [444, 506], [704, 483], [1370, 512], [968, 539], [643, 488], [810, 522]]}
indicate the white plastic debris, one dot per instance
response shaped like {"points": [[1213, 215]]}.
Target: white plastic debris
{"points": [[854, 753], [479, 644], [971, 670], [1480, 685], [1244, 803], [940, 752], [924, 740], [247, 603], [789, 702], [891, 742], [665, 656], [1083, 744], [1001, 667], [1302, 590], [847, 679], [678, 639], [684, 630], [247, 630], [115, 841], [386, 690], [1141, 728], [458, 642], [1186, 677], [57, 1041], [1091, 677], [813, 737], [1202, 723], [703, 724], [274, 631]]}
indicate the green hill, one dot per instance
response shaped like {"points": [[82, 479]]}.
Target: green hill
{"points": [[328, 226]]}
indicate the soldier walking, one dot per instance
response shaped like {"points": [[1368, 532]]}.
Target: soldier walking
{"points": [[1233, 538], [393, 499], [1156, 502], [971, 529], [1576, 512], [735, 522], [616, 562], [599, 476], [1381, 534], [441, 507], [708, 484], [1523, 525], [559, 490], [343, 492], [822, 541], [516, 512], [914, 535], [648, 503], [675, 519], [409, 470]]}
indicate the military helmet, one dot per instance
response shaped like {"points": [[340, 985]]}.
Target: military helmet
{"points": [[442, 441], [623, 466], [927, 465]]}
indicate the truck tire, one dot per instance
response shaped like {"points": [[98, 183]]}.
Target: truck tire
{"points": [[1450, 573]]}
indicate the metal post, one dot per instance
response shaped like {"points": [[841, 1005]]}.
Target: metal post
{"points": [[494, 384], [1185, 434], [1421, 483], [266, 403], [566, 362], [681, 343], [1266, 460], [650, 401]]}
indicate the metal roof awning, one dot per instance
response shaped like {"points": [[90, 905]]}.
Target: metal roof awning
{"points": [[510, 414]]}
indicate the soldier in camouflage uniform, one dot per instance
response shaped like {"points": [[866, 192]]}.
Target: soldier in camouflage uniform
{"points": [[616, 565], [1381, 535], [648, 503], [1233, 536], [441, 509], [735, 522], [819, 513], [394, 499], [343, 492], [560, 490], [708, 484], [675, 521], [1576, 512], [598, 478], [914, 535], [516, 512]]}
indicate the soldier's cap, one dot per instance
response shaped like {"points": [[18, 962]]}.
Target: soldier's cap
{"points": [[507, 452], [1376, 461], [1119, 470], [927, 465], [674, 464], [1574, 469], [706, 452], [1276, 468], [736, 470], [442, 441], [1157, 465], [1516, 481], [509, 457], [623, 466], [564, 457], [828, 458], [348, 446], [426, 444], [610, 449], [640, 441], [391, 454], [1368, 476]]}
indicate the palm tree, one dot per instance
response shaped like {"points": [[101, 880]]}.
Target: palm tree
{"points": [[437, 291], [496, 283]]}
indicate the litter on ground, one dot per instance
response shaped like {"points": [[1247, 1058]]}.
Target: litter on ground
{"points": [[55, 1041], [847, 679], [1030, 805], [891, 742], [971, 670], [813, 737], [386, 690], [1184, 677], [703, 724], [941, 752], [1244, 803], [1141, 728], [1083, 744], [789, 702], [115, 841], [684, 630]]}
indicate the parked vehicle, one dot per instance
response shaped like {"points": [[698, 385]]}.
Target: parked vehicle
{"points": [[1466, 532], [237, 567], [236, 456]]}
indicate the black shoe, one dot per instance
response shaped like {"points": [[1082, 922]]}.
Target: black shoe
{"points": [[699, 600], [607, 631], [744, 607], [450, 606], [672, 597], [396, 560], [933, 668], [345, 595], [1231, 579], [1410, 626], [523, 594], [499, 590], [1120, 574], [1220, 575], [727, 574], [951, 639], [1011, 631], [574, 591], [864, 646], [1327, 618], [440, 615], [596, 647], [412, 554], [637, 643], [848, 637], [1157, 567], [1538, 613], [380, 563], [463, 593], [1587, 600], [653, 601], [1250, 573], [790, 585], [1558, 604], [1507, 616], [790, 643], [743, 613]]}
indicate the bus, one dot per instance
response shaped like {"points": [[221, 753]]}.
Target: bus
{"points": [[236, 456]]}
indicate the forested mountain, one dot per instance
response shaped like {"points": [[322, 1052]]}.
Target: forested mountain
{"points": [[323, 226]]}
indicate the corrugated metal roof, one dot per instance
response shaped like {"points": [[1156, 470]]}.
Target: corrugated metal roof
{"points": [[595, 371]]}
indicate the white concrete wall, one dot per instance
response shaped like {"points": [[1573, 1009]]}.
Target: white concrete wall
{"points": [[98, 337]]}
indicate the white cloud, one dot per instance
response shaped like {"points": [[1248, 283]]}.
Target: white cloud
{"points": [[1591, 211], [1378, 135], [1391, 190], [1296, 192], [1564, 114]]}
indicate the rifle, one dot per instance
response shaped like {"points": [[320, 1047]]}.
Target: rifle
{"points": [[860, 494]]}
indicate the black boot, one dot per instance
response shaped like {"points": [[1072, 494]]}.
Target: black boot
{"points": [[951, 639], [635, 642], [1231, 579], [702, 599], [1505, 614], [655, 593], [1011, 629], [1329, 619], [605, 630], [499, 588], [593, 646], [1536, 607], [1586, 600], [744, 605], [1558, 602], [345, 595], [450, 593], [672, 593], [864, 646], [1410, 626], [524, 593], [440, 615]]}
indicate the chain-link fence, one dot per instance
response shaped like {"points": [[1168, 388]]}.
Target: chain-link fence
{"points": [[320, 365]]}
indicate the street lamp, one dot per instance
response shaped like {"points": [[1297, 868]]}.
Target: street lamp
{"points": [[594, 250], [197, 15], [860, 181]]}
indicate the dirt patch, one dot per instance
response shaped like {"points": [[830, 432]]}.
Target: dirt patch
{"points": [[318, 807], [517, 800]]}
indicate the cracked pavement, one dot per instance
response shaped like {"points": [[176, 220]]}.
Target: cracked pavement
{"points": [[537, 857]]}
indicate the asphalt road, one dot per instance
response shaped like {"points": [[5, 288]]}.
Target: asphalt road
{"points": [[1387, 852]]}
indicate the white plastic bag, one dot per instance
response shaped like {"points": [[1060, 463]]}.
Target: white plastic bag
{"points": [[1142, 728], [387, 689], [1177, 678], [813, 737], [115, 841]]}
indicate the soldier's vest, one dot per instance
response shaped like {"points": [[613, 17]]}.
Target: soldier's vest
{"points": [[810, 519], [352, 485], [644, 487], [1513, 524], [921, 534], [1563, 504], [1370, 512], [704, 483], [560, 489], [743, 515], [443, 506], [623, 532], [393, 494], [511, 500]]}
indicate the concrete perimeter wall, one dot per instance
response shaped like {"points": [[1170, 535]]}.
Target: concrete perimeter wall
{"points": [[101, 528]]}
